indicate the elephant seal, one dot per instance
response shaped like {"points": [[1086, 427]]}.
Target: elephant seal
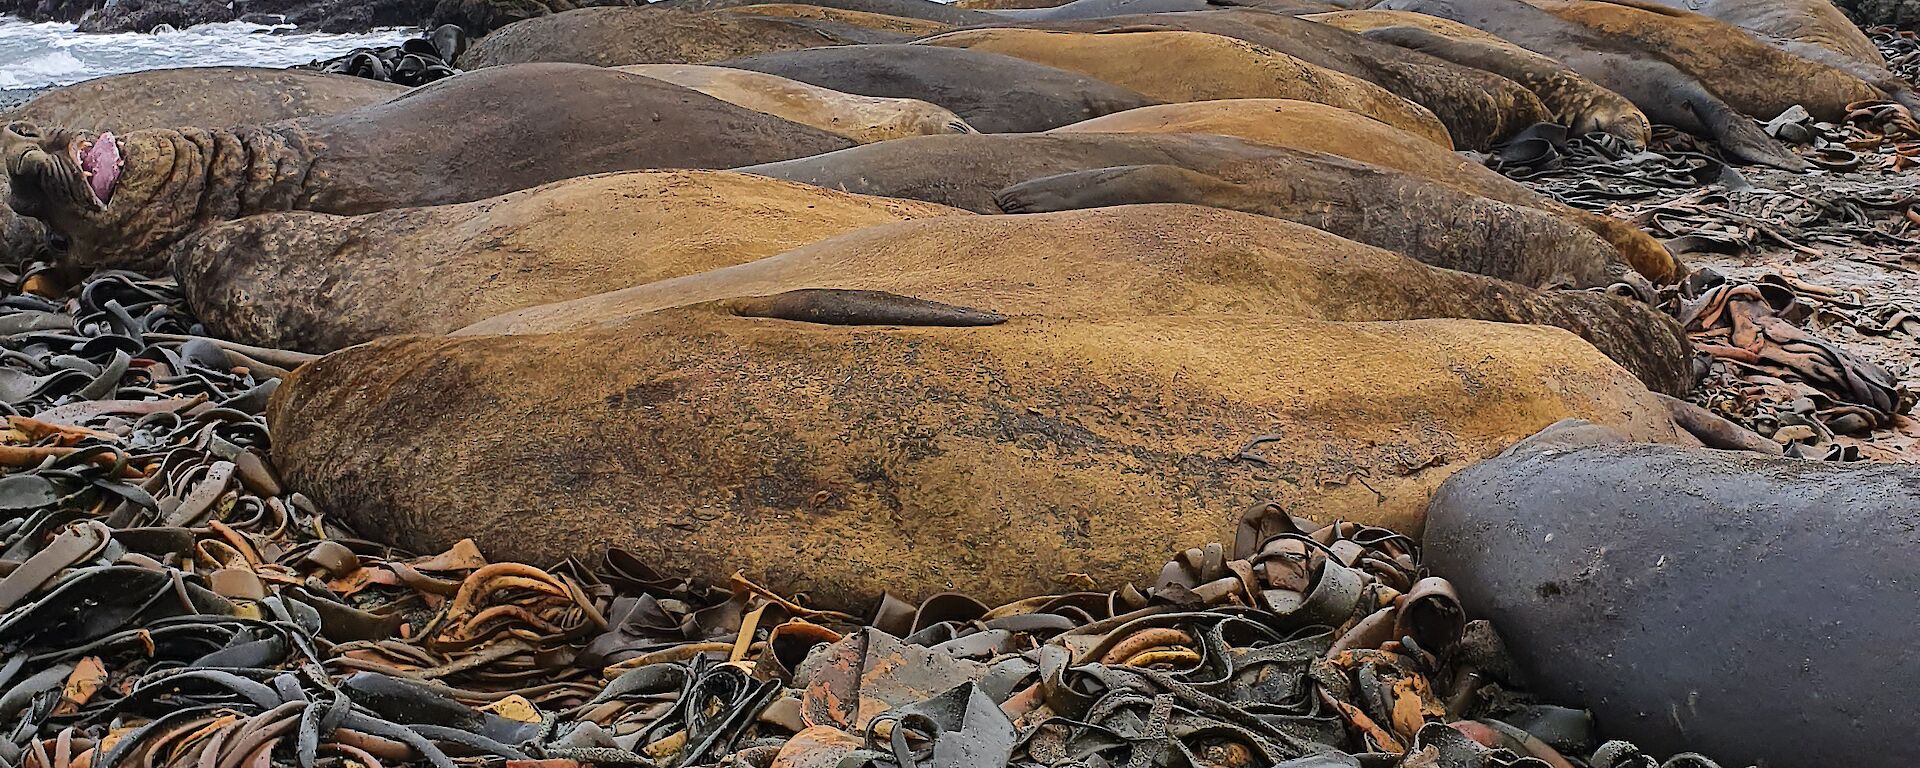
{"points": [[1812, 29], [1195, 66], [1698, 600], [971, 172], [1666, 93], [879, 22], [611, 37], [120, 200], [1148, 259], [1750, 75], [1478, 108], [840, 460], [1576, 102], [993, 93], [1094, 9], [317, 282], [208, 97], [926, 10], [163, 98], [861, 118], [1403, 213]]}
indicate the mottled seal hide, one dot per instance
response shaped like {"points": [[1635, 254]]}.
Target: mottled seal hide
{"points": [[1814, 29], [861, 118], [1666, 93], [1432, 223], [1699, 600], [926, 10], [1149, 259], [164, 98], [1576, 102], [993, 93], [841, 460], [318, 282], [1196, 66], [610, 37], [464, 138], [1478, 108], [1312, 127], [972, 171], [206, 97], [1752, 76], [879, 22], [1096, 9]]}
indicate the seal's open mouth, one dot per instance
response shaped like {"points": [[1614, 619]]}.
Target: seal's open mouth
{"points": [[100, 165]]}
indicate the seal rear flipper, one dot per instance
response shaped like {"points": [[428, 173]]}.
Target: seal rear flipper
{"points": [[1118, 185], [839, 306], [1740, 138]]}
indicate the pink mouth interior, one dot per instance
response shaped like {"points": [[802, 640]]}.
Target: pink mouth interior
{"points": [[101, 162]]}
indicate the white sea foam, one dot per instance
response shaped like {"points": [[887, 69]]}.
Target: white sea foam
{"points": [[41, 55]]}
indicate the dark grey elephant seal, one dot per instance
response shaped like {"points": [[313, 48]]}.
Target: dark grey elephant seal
{"points": [[1478, 108], [981, 172], [465, 138], [1666, 93], [1756, 610], [993, 93]]}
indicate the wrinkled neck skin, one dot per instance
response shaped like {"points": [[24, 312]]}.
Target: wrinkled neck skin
{"points": [[178, 180]]}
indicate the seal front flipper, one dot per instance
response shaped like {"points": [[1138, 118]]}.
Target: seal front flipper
{"points": [[838, 306], [1739, 137], [1118, 185]]}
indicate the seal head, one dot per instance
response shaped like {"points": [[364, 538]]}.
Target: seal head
{"points": [[58, 174]]}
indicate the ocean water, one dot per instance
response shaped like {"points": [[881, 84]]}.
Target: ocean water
{"points": [[34, 56]]}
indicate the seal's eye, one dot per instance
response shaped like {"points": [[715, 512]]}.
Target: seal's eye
{"points": [[23, 129]]}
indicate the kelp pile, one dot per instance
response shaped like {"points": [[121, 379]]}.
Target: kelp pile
{"points": [[164, 601]]}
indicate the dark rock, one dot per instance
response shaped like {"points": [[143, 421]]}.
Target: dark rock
{"points": [[144, 15], [1757, 610]]}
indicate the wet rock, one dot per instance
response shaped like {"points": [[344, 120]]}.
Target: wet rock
{"points": [[1752, 609]]}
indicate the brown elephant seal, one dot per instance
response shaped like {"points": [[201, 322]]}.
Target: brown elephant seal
{"points": [[1665, 92], [611, 37], [970, 172], [1195, 66], [1479, 108], [318, 282], [1312, 127], [985, 459], [120, 200], [861, 118], [1148, 259], [1752, 76], [208, 97], [163, 98], [993, 93], [1576, 102], [926, 10], [879, 22], [1095, 9], [1403, 213], [1812, 29]]}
